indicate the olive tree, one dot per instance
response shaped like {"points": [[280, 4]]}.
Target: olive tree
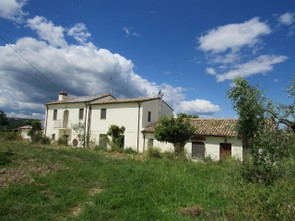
{"points": [[176, 131]]}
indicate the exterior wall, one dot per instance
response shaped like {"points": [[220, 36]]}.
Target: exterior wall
{"points": [[119, 114], [212, 146], [24, 133], [56, 127]]}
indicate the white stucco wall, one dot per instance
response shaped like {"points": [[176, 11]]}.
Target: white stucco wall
{"points": [[56, 126], [212, 146]]}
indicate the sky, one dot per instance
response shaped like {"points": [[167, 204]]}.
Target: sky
{"points": [[190, 50]]}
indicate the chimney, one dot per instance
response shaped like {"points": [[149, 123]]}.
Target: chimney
{"points": [[62, 95]]}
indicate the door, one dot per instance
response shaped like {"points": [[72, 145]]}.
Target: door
{"points": [[198, 149], [225, 150], [65, 119]]}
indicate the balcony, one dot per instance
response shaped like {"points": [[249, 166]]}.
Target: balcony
{"points": [[66, 124]]}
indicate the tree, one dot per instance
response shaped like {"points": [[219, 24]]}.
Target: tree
{"points": [[249, 102], [36, 126], [117, 134], [268, 145], [176, 131], [3, 119]]}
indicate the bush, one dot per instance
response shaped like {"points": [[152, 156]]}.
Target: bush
{"points": [[5, 157], [100, 148], [9, 135], [45, 140], [37, 137], [129, 150], [153, 152], [62, 141]]}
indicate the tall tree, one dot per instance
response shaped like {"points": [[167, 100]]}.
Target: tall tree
{"points": [[3, 119], [249, 102], [176, 131]]}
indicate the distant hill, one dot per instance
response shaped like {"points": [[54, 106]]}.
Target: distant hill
{"points": [[14, 123]]}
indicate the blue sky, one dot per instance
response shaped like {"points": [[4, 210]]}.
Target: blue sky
{"points": [[189, 49]]}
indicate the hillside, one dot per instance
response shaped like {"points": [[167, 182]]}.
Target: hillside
{"points": [[60, 183]]}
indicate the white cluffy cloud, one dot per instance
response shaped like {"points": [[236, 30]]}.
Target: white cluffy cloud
{"points": [[259, 65], [287, 18], [80, 33], [233, 36], [234, 49], [78, 69], [47, 31], [12, 10]]}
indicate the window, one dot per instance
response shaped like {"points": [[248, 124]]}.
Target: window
{"points": [[103, 113], [54, 114], [53, 136], [149, 116], [81, 114], [198, 149]]}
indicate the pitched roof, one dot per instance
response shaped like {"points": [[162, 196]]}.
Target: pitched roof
{"points": [[76, 99], [208, 127], [126, 100]]}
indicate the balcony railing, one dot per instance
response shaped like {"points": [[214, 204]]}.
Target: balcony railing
{"points": [[62, 124]]}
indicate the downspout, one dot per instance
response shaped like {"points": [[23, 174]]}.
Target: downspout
{"points": [[138, 124], [89, 122], [85, 121], [143, 148], [46, 119]]}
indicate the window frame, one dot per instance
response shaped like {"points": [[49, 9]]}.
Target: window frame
{"points": [[149, 118], [81, 113], [103, 113], [55, 114]]}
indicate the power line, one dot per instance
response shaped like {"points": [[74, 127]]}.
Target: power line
{"points": [[30, 64]]}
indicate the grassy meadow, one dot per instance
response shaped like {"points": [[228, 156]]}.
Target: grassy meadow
{"points": [[61, 183]]}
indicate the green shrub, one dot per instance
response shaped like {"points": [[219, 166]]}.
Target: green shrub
{"points": [[45, 140], [37, 137], [153, 152], [129, 150], [9, 135], [62, 141], [100, 148], [5, 157]]}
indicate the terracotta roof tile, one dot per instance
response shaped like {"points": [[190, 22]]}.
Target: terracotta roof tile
{"points": [[77, 99], [208, 127]]}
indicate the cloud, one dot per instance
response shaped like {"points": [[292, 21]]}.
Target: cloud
{"points": [[211, 71], [53, 35], [233, 36], [80, 33], [260, 65], [197, 107], [286, 18], [79, 70], [128, 33], [12, 10]]}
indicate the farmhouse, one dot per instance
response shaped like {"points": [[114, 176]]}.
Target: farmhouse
{"points": [[98, 113], [215, 138]]}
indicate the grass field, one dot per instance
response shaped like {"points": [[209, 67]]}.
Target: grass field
{"points": [[56, 183]]}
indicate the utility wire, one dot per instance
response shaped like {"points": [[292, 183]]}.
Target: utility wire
{"points": [[30, 64]]}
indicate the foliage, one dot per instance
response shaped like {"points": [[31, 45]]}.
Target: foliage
{"points": [[268, 145], [63, 141], [176, 131], [130, 150], [3, 119], [153, 152], [36, 126], [9, 135], [117, 135]]}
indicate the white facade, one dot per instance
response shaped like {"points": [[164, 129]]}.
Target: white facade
{"points": [[133, 114], [212, 146]]}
